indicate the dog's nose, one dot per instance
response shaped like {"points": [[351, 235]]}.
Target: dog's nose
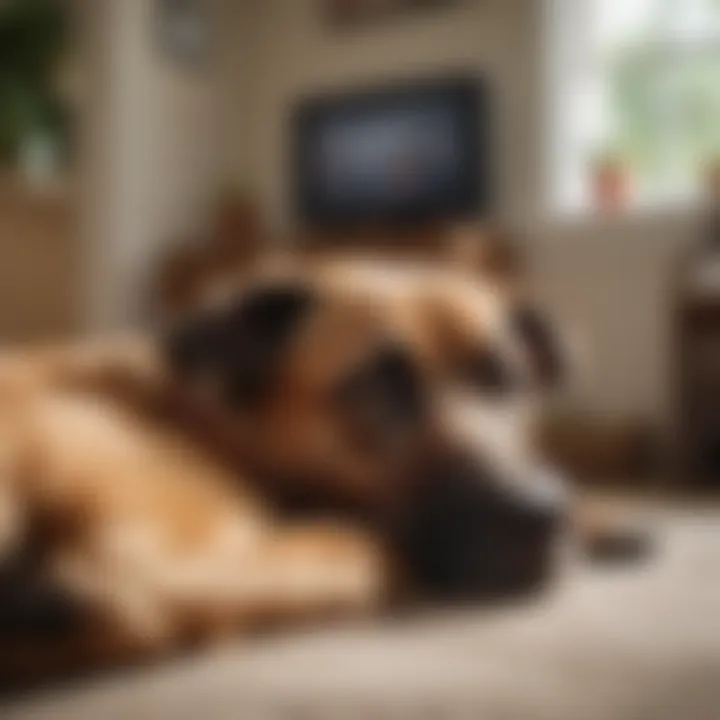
{"points": [[472, 534], [530, 521], [538, 506]]}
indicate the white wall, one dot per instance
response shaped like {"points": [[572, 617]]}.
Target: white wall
{"points": [[156, 131], [608, 280], [611, 283], [292, 52]]}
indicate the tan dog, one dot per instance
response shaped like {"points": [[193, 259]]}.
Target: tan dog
{"points": [[324, 436]]}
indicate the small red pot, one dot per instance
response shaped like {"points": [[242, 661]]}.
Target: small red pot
{"points": [[611, 186]]}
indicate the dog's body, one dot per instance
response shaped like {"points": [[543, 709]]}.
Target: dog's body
{"points": [[157, 494], [133, 539]]}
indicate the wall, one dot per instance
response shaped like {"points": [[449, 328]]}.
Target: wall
{"points": [[611, 284], [293, 53], [154, 157], [608, 281]]}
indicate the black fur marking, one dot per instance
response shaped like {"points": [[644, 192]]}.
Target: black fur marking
{"points": [[487, 371], [241, 347]]}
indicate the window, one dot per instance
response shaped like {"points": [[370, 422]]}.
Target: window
{"points": [[638, 81]]}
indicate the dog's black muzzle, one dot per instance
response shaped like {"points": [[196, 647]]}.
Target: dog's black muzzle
{"points": [[471, 534]]}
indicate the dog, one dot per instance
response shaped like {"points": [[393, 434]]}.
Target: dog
{"points": [[322, 437]]}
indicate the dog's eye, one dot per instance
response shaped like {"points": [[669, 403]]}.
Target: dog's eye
{"points": [[385, 395], [485, 370]]}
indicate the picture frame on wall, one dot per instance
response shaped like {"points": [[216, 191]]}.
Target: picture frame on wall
{"points": [[183, 30], [358, 13]]}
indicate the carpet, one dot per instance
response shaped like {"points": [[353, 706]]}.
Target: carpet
{"points": [[612, 643]]}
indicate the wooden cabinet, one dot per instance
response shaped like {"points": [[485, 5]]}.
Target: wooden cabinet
{"points": [[698, 379], [40, 264]]}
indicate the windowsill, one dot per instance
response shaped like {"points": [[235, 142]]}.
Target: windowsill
{"points": [[680, 211]]}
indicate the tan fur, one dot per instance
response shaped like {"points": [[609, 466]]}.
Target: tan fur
{"points": [[152, 528], [158, 541]]}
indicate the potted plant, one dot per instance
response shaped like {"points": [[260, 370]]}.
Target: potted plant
{"points": [[32, 115], [611, 180]]}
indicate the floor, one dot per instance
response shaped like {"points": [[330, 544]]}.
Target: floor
{"points": [[638, 643]]}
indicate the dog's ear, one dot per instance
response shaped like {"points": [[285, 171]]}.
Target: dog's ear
{"points": [[259, 332], [240, 347], [543, 345], [486, 252]]}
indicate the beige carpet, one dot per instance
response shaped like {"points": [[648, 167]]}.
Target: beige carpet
{"points": [[616, 644]]}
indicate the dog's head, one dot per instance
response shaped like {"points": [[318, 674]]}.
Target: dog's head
{"points": [[399, 392]]}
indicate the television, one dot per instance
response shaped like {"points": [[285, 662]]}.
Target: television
{"points": [[406, 154]]}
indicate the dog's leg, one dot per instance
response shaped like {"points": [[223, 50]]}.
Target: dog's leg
{"points": [[315, 570], [286, 574], [290, 574]]}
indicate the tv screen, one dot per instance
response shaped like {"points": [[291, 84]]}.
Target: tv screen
{"points": [[395, 155]]}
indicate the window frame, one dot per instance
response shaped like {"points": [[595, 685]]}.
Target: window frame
{"points": [[571, 41]]}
